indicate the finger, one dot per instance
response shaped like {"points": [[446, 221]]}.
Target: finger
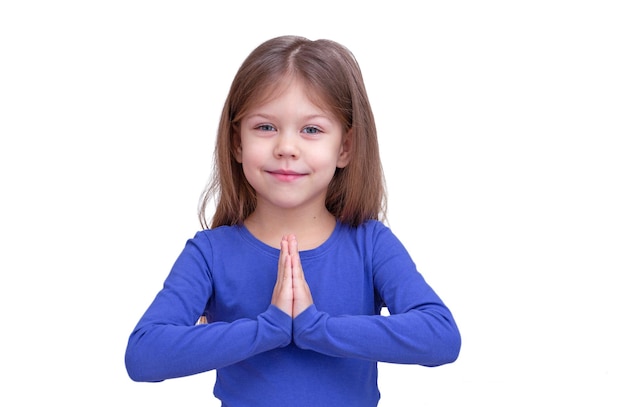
{"points": [[302, 297], [292, 246], [284, 260], [282, 297]]}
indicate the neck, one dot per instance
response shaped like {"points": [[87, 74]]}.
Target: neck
{"points": [[311, 228]]}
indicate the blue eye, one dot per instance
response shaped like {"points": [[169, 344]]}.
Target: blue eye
{"points": [[266, 127], [311, 130]]}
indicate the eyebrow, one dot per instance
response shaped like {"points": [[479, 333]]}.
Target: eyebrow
{"points": [[272, 117]]}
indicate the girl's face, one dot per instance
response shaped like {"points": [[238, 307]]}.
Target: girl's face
{"points": [[289, 150]]}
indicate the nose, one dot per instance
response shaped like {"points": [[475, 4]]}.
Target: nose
{"points": [[286, 146]]}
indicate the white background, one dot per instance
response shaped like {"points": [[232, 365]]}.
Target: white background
{"points": [[501, 126]]}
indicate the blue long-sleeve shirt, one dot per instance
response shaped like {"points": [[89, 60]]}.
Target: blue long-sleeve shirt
{"points": [[326, 356]]}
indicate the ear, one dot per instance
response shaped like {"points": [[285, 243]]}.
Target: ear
{"points": [[237, 146], [345, 150]]}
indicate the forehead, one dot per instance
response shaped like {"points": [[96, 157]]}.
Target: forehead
{"points": [[272, 91]]}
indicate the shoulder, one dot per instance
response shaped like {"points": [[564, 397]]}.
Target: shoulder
{"points": [[218, 232], [372, 229], [371, 234], [219, 238]]}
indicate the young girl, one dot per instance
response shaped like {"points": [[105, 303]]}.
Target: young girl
{"points": [[296, 264]]}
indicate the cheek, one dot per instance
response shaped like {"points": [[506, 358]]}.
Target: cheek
{"points": [[330, 157], [248, 169], [246, 161], [252, 160], [248, 152], [326, 164]]}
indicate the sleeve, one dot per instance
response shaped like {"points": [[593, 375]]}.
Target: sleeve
{"points": [[419, 330], [166, 342]]}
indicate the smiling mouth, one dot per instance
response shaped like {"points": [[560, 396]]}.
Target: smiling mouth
{"points": [[285, 176]]}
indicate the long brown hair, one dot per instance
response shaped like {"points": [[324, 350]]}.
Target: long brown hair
{"points": [[332, 75]]}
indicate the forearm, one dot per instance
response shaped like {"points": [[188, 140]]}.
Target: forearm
{"points": [[158, 351], [426, 337]]}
